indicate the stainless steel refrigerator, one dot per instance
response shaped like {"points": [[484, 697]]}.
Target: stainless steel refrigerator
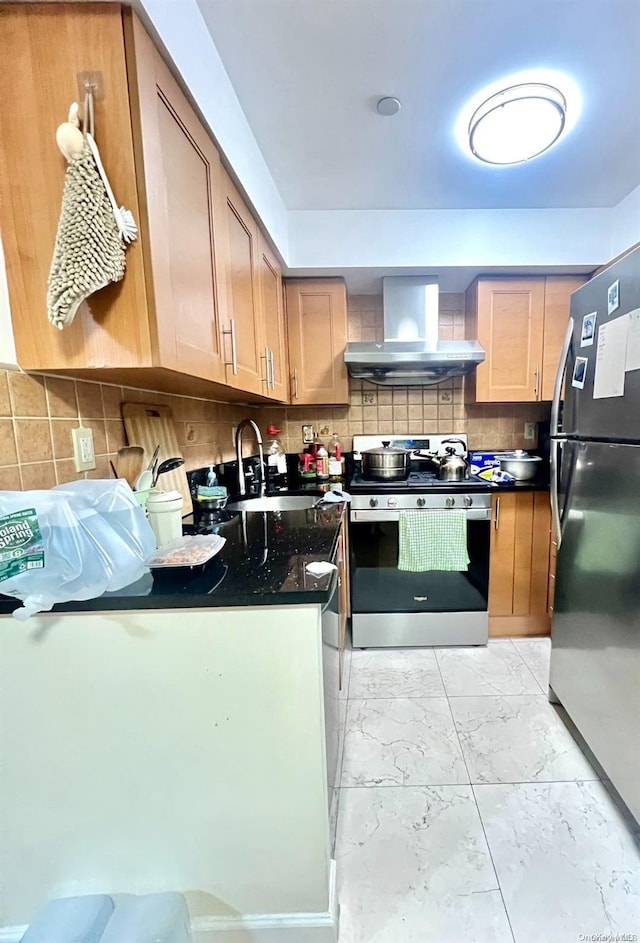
{"points": [[595, 492]]}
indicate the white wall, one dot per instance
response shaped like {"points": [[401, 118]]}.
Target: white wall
{"points": [[318, 239], [625, 223], [8, 356], [472, 238], [162, 750], [182, 29]]}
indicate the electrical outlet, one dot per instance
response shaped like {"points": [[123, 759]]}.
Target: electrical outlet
{"points": [[529, 431], [83, 452]]}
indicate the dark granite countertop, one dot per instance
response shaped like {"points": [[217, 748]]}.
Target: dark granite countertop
{"points": [[262, 563], [536, 484]]}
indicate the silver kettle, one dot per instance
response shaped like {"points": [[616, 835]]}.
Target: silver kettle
{"points": [[452, 467]]}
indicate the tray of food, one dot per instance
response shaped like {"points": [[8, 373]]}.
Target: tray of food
{"points": [[186, 554]]}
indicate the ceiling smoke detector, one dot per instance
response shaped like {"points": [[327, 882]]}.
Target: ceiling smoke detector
{"points": [[388, 106], [517, 123]]}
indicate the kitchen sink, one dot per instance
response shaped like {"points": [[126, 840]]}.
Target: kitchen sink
{"points": [[277, 502]]}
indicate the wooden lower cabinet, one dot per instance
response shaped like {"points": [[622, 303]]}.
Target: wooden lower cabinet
{"points": [[317, 331], [519, 567]]}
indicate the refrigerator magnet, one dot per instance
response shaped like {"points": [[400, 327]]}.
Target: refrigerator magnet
{"points": [[588, 329], [613, 297], [579, 372]]}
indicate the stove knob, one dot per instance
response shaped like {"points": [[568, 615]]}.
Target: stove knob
{"points": [[468, 500], [421, 502], [392, 503], [450, 502], [373, 502]]}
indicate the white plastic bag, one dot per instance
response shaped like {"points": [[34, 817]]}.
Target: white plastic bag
{"points": [[74, 542], [110, 512], [70, 568]]}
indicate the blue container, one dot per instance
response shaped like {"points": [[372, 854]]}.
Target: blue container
{"points": [[151, 918], [71, 920]]}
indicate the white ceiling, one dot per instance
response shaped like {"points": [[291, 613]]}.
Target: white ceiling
{"points": [[308, 73]]}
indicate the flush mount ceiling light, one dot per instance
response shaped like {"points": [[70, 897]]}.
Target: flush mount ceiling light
{"points": [[517, 123]]}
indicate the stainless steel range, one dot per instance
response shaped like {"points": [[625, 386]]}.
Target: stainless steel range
{"points": [[396, 608]]}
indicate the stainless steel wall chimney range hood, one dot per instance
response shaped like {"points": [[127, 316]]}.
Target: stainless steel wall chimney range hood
{"points": [[411, 354]]}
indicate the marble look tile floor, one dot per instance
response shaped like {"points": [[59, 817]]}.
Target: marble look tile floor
{"points": [[467, 812]]}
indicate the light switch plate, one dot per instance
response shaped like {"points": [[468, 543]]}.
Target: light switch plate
{"points": [[83, 451]]}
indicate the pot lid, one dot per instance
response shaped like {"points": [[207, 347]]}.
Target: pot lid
{"points": [[386, 449], [520, 455]]}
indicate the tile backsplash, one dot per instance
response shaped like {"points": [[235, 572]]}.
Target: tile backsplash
{"points": [[37, 413], [440, 408]]}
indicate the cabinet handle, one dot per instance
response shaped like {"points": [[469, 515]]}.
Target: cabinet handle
{"points": [[537, 376], [295, 383], [267, 378], [233, 363], [496, 520], [273, 370]]}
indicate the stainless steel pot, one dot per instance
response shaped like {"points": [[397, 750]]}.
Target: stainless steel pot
{"points": [[386, 463], [520, 464]]}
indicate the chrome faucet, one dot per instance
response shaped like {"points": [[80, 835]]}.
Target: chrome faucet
{"points": [[242, 484]]}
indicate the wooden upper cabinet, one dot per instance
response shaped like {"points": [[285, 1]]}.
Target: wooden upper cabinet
{"points": [[193, 271], [181, 171], [519, 568], [521, 323], [237, 241], [557, 307], [508, 315], [317, 330], [50, 45], [272, 319]]}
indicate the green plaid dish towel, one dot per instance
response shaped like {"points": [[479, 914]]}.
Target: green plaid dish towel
{"points": [[432, 540]]}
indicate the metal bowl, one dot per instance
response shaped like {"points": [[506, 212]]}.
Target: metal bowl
{"points": [[519, 464]]}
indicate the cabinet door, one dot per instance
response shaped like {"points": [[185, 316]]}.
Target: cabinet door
{"points": [[181, 171], [502, 558], [317, 330], [557, 304], [246, 369], [45, 47], [519, 564], [274, 336], [510, 321]]}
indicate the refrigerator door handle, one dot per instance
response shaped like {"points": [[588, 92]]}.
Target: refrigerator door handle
{"points": [[562, 368], [555, 506]]}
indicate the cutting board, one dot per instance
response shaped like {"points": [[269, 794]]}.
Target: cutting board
{"points": [[149, 426]]}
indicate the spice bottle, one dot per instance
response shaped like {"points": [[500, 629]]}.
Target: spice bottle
{"points": [[336, 458], [276, 456], [322, 463]]}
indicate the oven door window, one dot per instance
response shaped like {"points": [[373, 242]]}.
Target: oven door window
{"points": [[377, 585]]}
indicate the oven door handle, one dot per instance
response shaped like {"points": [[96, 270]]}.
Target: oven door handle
{"points": [[364, 517]]}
